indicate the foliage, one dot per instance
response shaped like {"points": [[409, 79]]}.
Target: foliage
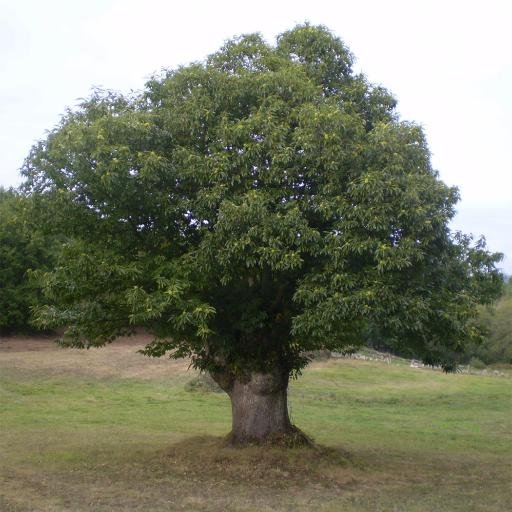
{"points": [[21, 249], [496, 346], [493, 346], [247, 209], [474, 362]]}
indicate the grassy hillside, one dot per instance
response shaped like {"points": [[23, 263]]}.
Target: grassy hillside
{"points": [[108, 429]]}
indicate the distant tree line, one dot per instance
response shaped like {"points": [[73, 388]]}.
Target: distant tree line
{"points": [[22, 249], [495, 346]]}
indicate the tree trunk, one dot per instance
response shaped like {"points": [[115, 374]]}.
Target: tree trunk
{"points": [[260, 409]]}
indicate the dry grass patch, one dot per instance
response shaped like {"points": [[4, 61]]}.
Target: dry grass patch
{"points": [[269, 466], [120, 359]]}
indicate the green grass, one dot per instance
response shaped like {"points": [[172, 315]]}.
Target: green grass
{"points": [[80, 433]]}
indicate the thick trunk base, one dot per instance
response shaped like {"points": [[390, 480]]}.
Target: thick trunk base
{"points": [[291, 438], [260, 410]]}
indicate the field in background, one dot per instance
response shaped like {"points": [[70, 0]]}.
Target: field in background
{"points": [[110, 430]]}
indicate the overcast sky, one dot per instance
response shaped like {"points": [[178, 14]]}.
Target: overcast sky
{"points": [[449, 63]]}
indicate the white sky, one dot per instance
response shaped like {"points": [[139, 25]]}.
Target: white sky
{"points": [[449, 63]]}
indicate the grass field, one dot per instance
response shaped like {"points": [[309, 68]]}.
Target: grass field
{"points": [[109, 430]]}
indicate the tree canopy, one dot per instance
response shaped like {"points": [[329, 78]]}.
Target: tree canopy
{"points": [[252, 207]]}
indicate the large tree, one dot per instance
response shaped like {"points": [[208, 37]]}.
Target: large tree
{"points": [[246, 210]]}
